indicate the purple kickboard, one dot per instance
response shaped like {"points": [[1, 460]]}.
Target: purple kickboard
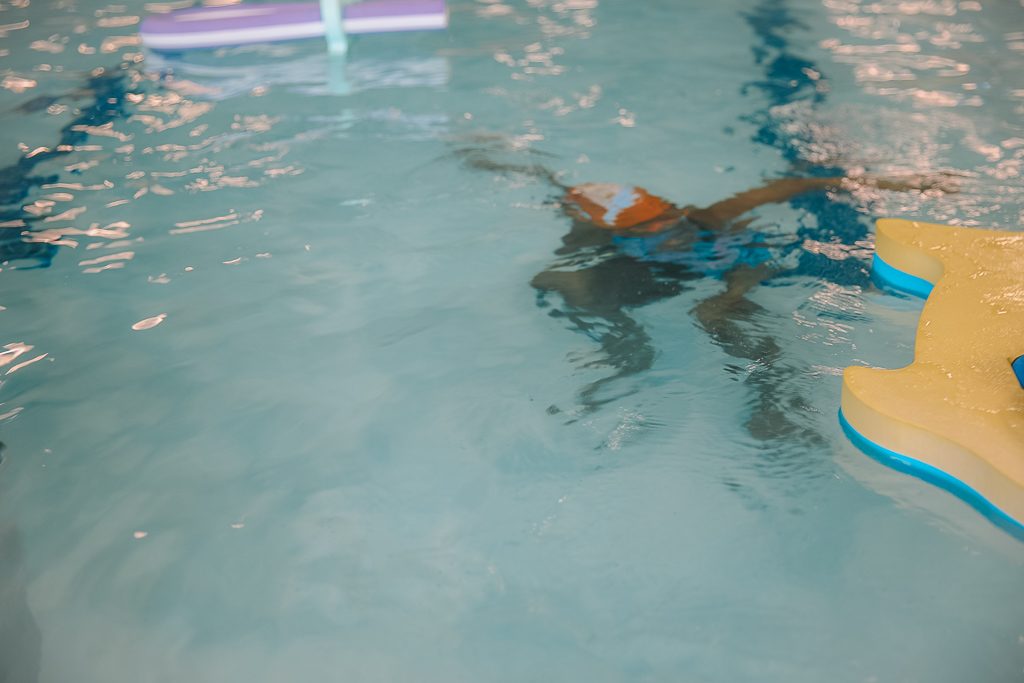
{"points": [[203, 27]]}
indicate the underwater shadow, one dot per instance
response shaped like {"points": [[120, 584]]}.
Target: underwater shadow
{"points": [[106, 93], [20, 638]]}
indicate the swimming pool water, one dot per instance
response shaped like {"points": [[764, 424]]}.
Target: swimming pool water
{"points": [[280, 402]]}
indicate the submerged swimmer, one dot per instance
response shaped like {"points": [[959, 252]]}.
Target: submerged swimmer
{"points": [[627, 248]]}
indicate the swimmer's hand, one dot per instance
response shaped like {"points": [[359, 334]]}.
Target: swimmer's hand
{"points": [[937, 183], [722, 215]]}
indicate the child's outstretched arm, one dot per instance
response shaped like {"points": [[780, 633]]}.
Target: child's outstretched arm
{"points": [[720, 214], [480, 159]]}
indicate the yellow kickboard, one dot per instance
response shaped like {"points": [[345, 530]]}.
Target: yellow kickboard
{"points": [[955, 416]]}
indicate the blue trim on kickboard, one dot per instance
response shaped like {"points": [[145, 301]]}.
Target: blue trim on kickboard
{"points": [[1018, 369], [934, 476], [894, 278]]}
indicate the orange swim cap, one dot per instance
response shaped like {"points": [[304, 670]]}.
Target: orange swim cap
{"points": [[617, 207]]}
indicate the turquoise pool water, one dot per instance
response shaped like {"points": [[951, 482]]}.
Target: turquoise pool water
{"points": [[280, 402]]}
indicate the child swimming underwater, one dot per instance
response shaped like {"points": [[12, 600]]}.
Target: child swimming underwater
{"points": [[627, 248]]}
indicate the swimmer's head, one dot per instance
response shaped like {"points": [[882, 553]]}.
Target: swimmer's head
{"points": [[618, 207]]}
